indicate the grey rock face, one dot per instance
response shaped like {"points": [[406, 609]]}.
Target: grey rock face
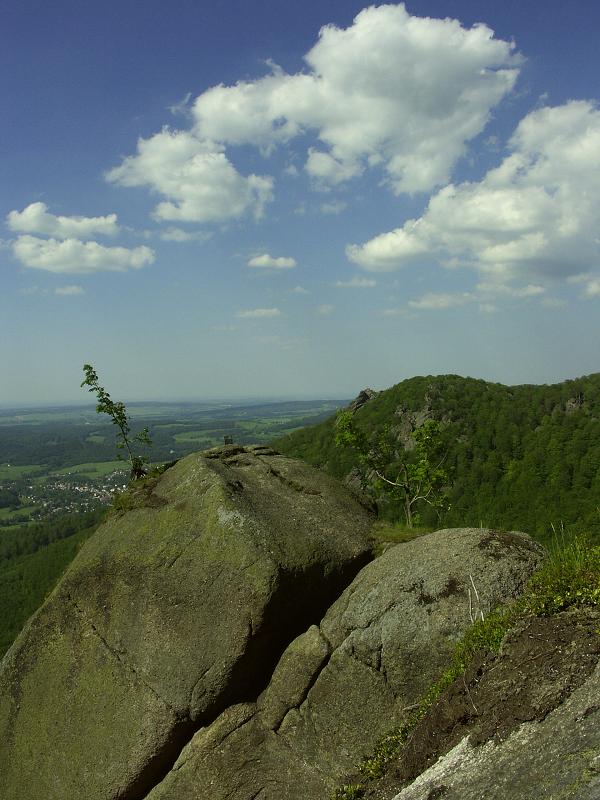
{"points": [[339, 687], [361, 398], [558, 757], [171, 612]]}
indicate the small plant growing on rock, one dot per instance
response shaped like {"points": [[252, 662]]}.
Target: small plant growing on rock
{"points": [[118, 414], [351, 791]]}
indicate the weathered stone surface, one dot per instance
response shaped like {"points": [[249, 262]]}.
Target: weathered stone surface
{"points": [[392, 632], [557, 757], [238, 756], [339, 687], [172, 612]]}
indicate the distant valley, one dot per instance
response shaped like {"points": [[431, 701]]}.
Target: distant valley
{"points": [[63, 460]]}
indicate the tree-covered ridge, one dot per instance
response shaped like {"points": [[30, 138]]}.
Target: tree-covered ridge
{"points": [[522, 457], [28, 539], [32, 559]]}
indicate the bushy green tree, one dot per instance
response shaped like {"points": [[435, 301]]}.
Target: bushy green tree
{"points": [[118, 414], [413, 477]]}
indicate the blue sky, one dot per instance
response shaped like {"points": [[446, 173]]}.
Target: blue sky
{"points": [[233, 199]]}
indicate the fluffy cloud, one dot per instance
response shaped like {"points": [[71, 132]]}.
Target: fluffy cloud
{"points": [[325, 310], [521, 292], [196, 177], [483, 294], [36, 219], [179, 235], [333, 208], [433, 301], [74, 257], [69, 290], [258, 313], [394, 90], [536, 215], [357, 283], [592, 288], [265, 261]]}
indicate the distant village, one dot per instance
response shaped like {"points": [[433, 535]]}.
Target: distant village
{"points": [[64, 494]]}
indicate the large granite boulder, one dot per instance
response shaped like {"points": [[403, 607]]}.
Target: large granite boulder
{"points": [[342, 685], [177, 608]]}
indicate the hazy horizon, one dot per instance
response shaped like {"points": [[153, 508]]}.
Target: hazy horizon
{"points": [[257, 399]]}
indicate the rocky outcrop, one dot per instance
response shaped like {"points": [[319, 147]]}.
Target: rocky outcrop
{"points": [[361, 398], [339, 686], [520, 726], [176, 610]]}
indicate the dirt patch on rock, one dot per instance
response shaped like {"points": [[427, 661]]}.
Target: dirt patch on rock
{"points": [[542, 660], [497, 543]]}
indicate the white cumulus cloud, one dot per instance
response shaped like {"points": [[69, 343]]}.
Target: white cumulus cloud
{"points": [[325, 310], [71, 256], [592, 288], [265, 261], [69, 290], [357, 283], [335, 207], [36, 219], [196, 177], [395, 90], [179, 235], [434, 301], [537, 215], [258, 313]]}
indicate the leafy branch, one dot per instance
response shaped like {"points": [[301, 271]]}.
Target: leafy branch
{"points": [[118, 414], [412, 477]]}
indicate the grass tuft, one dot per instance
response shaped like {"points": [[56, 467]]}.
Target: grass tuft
{"points": [[350, 791]]}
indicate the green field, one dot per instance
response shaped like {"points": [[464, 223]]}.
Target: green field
{"points": [[95, 438], [9, 513], [193, 436], [96, 469], [13, 472]]}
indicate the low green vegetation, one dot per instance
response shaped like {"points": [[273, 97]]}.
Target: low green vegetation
{"points": [[387, 534], [12, 472], [95, 438], [569, 578], [17, 513], [140, 492]]}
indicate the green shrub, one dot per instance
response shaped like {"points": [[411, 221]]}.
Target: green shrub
{"points": [[351, 791], [570, 577]]}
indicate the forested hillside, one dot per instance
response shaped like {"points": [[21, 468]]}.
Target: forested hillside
{"points": [[521, 457], [32, 559]]}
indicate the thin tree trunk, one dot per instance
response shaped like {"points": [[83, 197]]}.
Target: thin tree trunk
{"points": [[408, 512]]}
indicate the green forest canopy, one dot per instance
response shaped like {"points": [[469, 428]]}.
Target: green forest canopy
{"points": [[521, 457]]}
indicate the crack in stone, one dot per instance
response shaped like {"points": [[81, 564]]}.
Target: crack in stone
{"points": [[287, 481], [315, 677], [128, 667]]}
